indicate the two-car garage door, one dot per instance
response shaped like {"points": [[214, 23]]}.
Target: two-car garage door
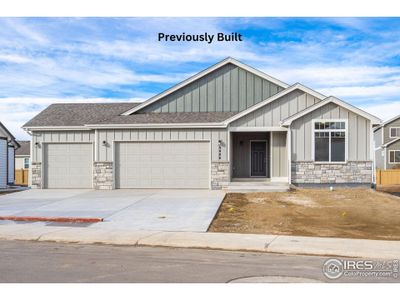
{"points": [[162, 165], [137, 165]]}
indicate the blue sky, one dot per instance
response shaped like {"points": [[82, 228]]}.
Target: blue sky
{"points": [[47, 60]]}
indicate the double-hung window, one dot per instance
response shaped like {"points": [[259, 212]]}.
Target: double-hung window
{"points": [[394, 132], [394, 156], [26, 163], [330, 141]]}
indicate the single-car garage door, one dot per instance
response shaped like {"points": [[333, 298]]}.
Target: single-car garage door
{"points": [[68, 165], [162, 165]]}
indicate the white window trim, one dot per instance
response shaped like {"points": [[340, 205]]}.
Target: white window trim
{"points": [[313, 130], [390, 132], [393, 163], [26, 158]]}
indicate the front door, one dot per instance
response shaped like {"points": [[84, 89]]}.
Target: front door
{"points": [[258, 158]]}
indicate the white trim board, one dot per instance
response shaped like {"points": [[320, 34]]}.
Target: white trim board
{"points": [[273, 98], [218, 65], [389, 143], [331, 99]]}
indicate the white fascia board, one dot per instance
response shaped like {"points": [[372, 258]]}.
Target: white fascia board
{"points": [[331, 99], [157, 126], [201, 74], [389, 143], [273, 98], [390, 120], [55, 128]]}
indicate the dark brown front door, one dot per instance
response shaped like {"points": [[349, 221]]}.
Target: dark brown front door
{"points": [[258, 159]]}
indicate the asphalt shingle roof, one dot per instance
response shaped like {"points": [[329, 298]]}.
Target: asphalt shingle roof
{"points": [[161, 118], [25, 148], [79, 114]]}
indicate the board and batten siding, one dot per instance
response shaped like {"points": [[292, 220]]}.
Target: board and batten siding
{"points": [[272, 113], [279, 154], [3, 163], [105, 152], [358, 133], [229, 88], [57, 137]]}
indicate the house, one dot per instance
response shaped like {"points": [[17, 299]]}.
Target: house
{"points": [[22, 162], [8, 145], [387, 144], [229, 122]]}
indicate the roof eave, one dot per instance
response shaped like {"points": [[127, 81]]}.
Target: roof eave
{"points": [[157, 125]]}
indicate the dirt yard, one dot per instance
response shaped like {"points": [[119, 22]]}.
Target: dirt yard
{"points": [[347, 213]]}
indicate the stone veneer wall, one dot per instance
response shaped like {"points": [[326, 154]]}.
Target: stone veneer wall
{"points": [[219, 175], [103, 175], [36, 182], [351, 172]]}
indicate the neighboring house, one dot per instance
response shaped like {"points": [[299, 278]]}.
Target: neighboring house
{"points": [[387, 144], [22, 162], [8, 145], [227, 122]]}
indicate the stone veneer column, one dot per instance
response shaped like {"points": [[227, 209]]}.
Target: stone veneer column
{"points": [[103, 175], [219, 175], [36, 182], [352, 172]]}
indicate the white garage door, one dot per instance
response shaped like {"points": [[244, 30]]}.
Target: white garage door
{"points": [[68, 165], [162, 165]]}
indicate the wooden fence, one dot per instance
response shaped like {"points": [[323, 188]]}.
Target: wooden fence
{"points": [[21, 177], [388, 177]]}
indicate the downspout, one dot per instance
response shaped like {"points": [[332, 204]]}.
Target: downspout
{"points": [[289, 150], [372, 154]]}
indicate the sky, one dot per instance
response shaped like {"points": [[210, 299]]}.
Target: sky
{"points": [[48, 60]]}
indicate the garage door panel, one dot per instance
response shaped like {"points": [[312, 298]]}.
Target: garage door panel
{"points": [[68, 166], [162, 165]]}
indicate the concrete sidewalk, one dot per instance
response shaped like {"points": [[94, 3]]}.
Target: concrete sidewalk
{"points": [[206, 240]]}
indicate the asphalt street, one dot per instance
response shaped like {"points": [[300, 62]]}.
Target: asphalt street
{"points": [[23, 262]]}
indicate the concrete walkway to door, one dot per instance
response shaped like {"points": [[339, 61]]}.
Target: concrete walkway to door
{"points": [[161, 210]]}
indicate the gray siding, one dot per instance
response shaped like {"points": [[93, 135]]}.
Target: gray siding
{"points": [[274, 112], [386, 137], [379, 159], [394, 146], [279, 154], [58, 137], [105, 153], [229, 88], [358, 132], [378, 137]]}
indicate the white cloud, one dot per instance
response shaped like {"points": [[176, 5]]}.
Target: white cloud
{"points": [[385, 111]]}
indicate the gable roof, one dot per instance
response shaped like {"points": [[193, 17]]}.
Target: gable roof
{"points": [[8, 135], [296, 86], [387, 122], [331, 99], [197, 76], [25, 148], [391, 142], [77, 114]]}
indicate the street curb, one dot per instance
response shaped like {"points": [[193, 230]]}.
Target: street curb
{"points": [[289, 245], [51, 219]]}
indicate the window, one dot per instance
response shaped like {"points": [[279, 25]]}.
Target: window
{"points": [[26, 163], [394, 132], [330, 141], [394, 156]]}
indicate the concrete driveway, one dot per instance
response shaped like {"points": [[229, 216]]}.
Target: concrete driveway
{"points": [[165, 210]]}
